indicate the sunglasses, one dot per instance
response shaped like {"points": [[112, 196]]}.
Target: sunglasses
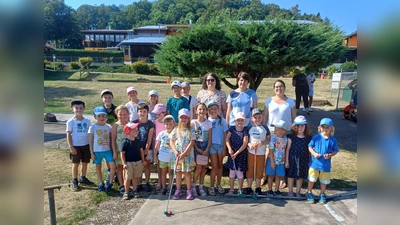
{"points": [[210, 80]]}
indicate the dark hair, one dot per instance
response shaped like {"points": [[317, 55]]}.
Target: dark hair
{"points": [[199, 104], [217, 81], [243, 75], [143, 106], [281, 81], [77, 102]]}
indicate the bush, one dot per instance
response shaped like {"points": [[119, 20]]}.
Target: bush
{"points": [[85, 53], [103, 68], [348, 65], [154, 69], [74, 65], [123, 69], [140, 67], [86, 61]]}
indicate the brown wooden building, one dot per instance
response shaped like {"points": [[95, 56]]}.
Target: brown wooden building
{"points": [[351, 42], [103, 39]]}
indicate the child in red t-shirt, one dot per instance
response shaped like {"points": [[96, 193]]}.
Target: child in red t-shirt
{"points": [[349, 112]]}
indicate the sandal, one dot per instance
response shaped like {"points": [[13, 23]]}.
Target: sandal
{"points": [[231, 192], [211, 190], [282, 185], [158, 186], [220, 189]]}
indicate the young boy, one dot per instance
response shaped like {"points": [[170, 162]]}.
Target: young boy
{"points": [[322, 147], [107, 98], [192, 99], [259, 137], [278, 148], [348, 112], [78, 142], [165, 153], [177, 102], [146, 130], [100, 146], [132, 156]]}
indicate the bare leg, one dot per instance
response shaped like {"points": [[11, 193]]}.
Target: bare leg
{"points": [[299, 183], [112, 171], [126, 185], [164, 177], [99, 174], [196, 174], [270, 181], [188, 178], [135, 182], [220, 168], [203, 173], [232, 183], [179, 180], [323, 188], [214, 169], [310, 99], [277, 182], [147, 171], [75, 167], [120, 175], [310, 186], [84, 169], [290, 184]]}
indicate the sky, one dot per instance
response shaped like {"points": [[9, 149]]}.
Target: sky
{"points": [[345, 14]]}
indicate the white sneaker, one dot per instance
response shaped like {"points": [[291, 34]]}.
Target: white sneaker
{"points": [[304, 109], [310, 110]]}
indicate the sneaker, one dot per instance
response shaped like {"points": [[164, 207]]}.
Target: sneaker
{"points": [[162, 191], [122, 189], [194, 191], [258, 191], [211, 191], [139, 187], [310, 198], [148, 187], [108, 187], [125, 196], [86, 181], [278, 193], [189, 195], [304, 109], [220, 189], [270, 193], [74, 186], [177, 194], [310, 110], [108, 177], [101, 187], [290, 194], [202, 192], [136, 194], [322, 199], [298, 194]]}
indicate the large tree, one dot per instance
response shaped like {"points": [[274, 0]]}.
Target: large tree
{"points": [[256, 48]]}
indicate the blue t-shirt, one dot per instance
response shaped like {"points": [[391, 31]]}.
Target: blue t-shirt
{"points": [[176, 104], [322, 146], [218, 130], [241, 102]]}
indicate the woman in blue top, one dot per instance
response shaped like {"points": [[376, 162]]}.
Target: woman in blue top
{"points": [[242, 99]]}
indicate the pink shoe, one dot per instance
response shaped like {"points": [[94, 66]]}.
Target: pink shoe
{"points": [[189, 195], [177, 194]]}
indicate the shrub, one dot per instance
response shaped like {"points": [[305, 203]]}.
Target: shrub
{"points": [[47, 62], [86, 61], [74, 65], [123, 69], [140, 67], [103, 68], [348, 65], [154, 69]]}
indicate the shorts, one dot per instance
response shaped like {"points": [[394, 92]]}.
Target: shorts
{"points": [[201, 145], [324, 177], [278, 171], [164, 164], [82, 154], [134, 170], [216, 149], [311, 92], [260, 166], [107, 155]]}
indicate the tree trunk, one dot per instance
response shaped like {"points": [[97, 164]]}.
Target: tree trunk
{"points": [[229, 84]]}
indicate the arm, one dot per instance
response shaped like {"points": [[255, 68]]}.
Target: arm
{"points": [[156, 149], [315, 154], [123, 159], [329, 155], [72, 150], [265, 116], [228, 144], [188, 148], [255, 105], [91, 139], [228, 112], [287, 152], [243, 147], [114, 150], [143, 159], [224, 148], [173, 147], [114, 137], [209, 142], [293, 111]]}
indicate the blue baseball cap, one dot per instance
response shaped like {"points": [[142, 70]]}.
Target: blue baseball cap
{"points": [[98, 110], [326, 121], [211, 103]]}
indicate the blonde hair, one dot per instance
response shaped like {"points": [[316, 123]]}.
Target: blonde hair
{"points": [[149, 100], [332, 130], [294, 130], [121, 107], [180, 128]]}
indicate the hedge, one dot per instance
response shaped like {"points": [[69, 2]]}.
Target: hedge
{"points": [[85, 53]]}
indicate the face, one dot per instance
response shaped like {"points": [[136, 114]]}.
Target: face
{"points": [[301, 128], [142, 113], [210, 81], [201, 110], [134, 132], [213, 110], [176, 90], [107, 99], [184, 120], [326, 130], [280, 132], [123, 115], [160, 116], [153, 98], [169, 125], [78, 109], [279, 88], [132, 94], [240, 122], [186, 90], [257, 119], [242, 83], [101, 118]]}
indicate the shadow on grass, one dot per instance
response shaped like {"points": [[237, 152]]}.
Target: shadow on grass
{"points": [[57, 75], [57, 93]]}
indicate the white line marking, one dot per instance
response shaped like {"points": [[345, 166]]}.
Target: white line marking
{"points": [[336, 216]]}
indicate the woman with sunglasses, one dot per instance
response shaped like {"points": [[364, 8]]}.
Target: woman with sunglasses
{"points": [[212, 92]]}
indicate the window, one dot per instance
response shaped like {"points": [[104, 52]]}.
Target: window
{"points": [[119, 38], [99, 37], [87, 37], [92, 37], [109, 37]]}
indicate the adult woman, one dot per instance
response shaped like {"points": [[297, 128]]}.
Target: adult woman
{"points": [[300, 82], [279, 107], [212, 91], [242, 99]]}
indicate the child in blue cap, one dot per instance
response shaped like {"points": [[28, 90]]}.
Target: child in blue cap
{"points": [[322, 147]]}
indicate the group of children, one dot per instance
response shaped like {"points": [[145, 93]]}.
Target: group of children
{"points": [[181, 137]]}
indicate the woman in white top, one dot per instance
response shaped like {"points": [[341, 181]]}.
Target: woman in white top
{"points": [[279, 107]]}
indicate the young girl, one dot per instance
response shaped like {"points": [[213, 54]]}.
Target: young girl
{"points": [[151, 102], [117, 137], [182, 141], [217, 149], [159, 111], [133, 103], [298, 156], [203, 132], [236, 141]]}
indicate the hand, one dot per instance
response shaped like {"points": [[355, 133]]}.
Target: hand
{"points": [[251, 146], [258, 144], [326, 156], [287, 165], [125, 166], [93, 157], [115, 156], [155, 160], [144, 163], [273, 165], [317, 155], [204, 153], [73, 151]]}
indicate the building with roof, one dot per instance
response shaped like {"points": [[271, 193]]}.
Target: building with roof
{"points": [[351, 42]]}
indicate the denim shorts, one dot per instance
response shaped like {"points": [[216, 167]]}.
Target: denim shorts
{"points": [[278, 171], [201, 145], [216, 149], [108, 155]]}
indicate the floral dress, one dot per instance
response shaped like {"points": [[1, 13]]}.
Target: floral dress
{"points": [[182, 140], [118, 142]]}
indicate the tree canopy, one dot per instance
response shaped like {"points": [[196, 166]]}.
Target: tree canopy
{"points": [[258, 48]]}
